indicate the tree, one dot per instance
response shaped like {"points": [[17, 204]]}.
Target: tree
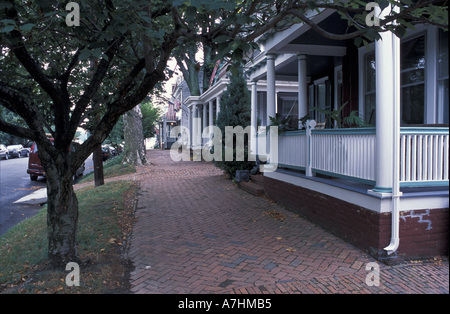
{"points": [[135, 152], [150, 116], [88, 65], [133, 128], [235, 111]]}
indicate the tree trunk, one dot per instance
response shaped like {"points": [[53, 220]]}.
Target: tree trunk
{"points": [[98, 166], [97, 158], [134, 152], [62, 218]]}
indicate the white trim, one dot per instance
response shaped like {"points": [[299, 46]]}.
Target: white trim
{"points": [[365, 200], [280, 60], [315, 50], [430, 98], [280, 40], [431, 51], [321, 80]]}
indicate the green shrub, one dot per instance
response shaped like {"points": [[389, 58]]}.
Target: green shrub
{"points": [[235, 110]]}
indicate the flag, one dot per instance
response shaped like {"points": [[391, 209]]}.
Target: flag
{"points": [[177, 105], [213, 76], [170, 115]]}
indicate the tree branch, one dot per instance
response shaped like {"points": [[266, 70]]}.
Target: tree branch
{"points": [[17, 130], [27, 111]]}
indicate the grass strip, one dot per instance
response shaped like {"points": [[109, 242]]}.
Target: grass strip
{"points": [[106, 216], [112, 167]]}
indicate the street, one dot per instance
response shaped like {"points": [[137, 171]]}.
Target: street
{"points": [[15, 183]]}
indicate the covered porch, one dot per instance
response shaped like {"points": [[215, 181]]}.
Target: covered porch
{"points": [[329, 78], [368, 184]]}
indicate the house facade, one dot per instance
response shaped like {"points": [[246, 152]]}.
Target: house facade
{"points": [[382, 186]]}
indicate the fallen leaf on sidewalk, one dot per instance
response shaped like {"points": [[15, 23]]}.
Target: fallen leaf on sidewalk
{"points": [[275, 215]]}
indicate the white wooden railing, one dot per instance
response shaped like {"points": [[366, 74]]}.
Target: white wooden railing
{"points": [[292, 150], [424, 155], [344, 152], [350, 153]]}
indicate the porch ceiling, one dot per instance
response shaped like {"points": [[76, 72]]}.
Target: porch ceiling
{"points": [[309, 42], [322, 53], [316, 66]]}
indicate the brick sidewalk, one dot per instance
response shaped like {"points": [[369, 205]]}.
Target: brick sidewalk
{"points": [[198, 233]]}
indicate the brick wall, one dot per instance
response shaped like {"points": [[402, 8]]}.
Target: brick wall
{"points": [[423, 233]]}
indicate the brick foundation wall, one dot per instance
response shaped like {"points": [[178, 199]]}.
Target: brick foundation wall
{"points": [[423, 233]]}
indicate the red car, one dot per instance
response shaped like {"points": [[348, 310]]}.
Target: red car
{"points": [[35, 168]]}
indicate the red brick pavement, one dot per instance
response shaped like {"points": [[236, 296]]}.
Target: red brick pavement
{"points": [[196, 232]]}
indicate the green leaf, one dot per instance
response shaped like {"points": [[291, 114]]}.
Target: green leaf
{"points": [[191, 12], [7, 29], [400, 31], [177, 3], [222, 39], [8, 22], [27, 27], [372, 34], [311, 5], [84, 54], [5, 5], [96, 53]]}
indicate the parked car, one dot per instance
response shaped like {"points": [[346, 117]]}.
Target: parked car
{"points": [[17, 151], [106, 153], [35, 168], [113, 151], [4, 152]]}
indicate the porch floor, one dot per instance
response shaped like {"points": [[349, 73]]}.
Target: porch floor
{"points": [[364, 188]]}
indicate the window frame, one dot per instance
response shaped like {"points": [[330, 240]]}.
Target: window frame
{"points": [[431, 34]]}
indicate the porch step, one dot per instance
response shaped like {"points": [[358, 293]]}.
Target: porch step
{"points": [[257, 179], [254, 186]]}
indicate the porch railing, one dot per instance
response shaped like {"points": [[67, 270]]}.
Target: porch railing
{"points": [[424, 155], [344, 152], [350, 153]]}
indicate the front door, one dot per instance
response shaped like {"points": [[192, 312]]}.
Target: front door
{"points": [[320, 101]]}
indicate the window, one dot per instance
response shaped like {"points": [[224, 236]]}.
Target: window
{"points": [[320, 100], [262, 108], [369, 88], [412, 78], [287, 104], [412, 81]]}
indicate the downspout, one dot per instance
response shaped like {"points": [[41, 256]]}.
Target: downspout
{"points": [[395, 216]]}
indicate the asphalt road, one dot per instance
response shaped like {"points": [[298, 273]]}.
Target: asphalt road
{"points": [[15, 183]]}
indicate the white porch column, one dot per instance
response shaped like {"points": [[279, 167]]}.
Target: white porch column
{"points": [[210, 126], [194, 128], [271, 101], [387, 52], [191, 120], [205, 121], [253, 118], [302, 89], [217, 106], [271, 98]]}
